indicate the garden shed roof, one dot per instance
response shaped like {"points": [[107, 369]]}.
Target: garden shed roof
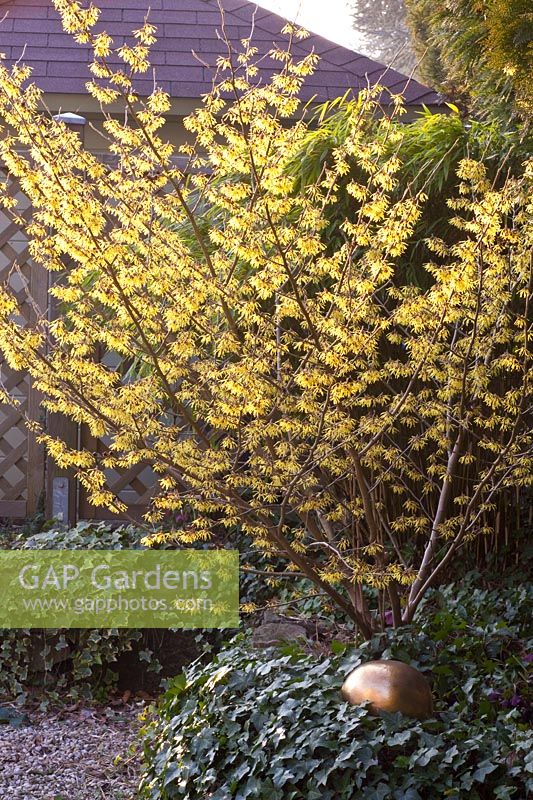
{"points": [[186, 51]]}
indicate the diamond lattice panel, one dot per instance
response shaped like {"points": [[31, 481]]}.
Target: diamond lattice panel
{"points": [[15, 449]]}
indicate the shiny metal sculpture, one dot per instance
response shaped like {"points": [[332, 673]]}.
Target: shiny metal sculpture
{"points": [[389, 686]]}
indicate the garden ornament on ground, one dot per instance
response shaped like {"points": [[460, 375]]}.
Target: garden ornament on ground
{"points": [[389, 686]]}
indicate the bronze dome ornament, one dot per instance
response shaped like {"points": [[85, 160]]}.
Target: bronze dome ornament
{"points": [[389, 686]]}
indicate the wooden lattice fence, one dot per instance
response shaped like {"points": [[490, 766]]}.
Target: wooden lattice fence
{"points": [[26, 477], [21, 459], [133, 486]]}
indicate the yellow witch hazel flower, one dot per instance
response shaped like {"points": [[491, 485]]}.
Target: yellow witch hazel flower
{"points": [[258, 337]]}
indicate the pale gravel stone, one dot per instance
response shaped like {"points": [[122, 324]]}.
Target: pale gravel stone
{"points": [[71, 756]]}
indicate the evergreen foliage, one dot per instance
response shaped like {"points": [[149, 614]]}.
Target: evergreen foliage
{"points": [[479, 53], [272, 725]]}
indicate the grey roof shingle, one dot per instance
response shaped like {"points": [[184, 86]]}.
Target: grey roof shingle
{"points": [[31, 31]]}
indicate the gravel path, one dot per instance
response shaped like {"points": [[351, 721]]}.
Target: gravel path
{"points": [[71, 756]]}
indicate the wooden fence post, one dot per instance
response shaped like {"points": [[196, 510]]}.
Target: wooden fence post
{"points": [[36, 455], [61, 484]]}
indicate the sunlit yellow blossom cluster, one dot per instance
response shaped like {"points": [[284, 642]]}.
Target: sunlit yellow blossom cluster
{"points": [[275, 376]]}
